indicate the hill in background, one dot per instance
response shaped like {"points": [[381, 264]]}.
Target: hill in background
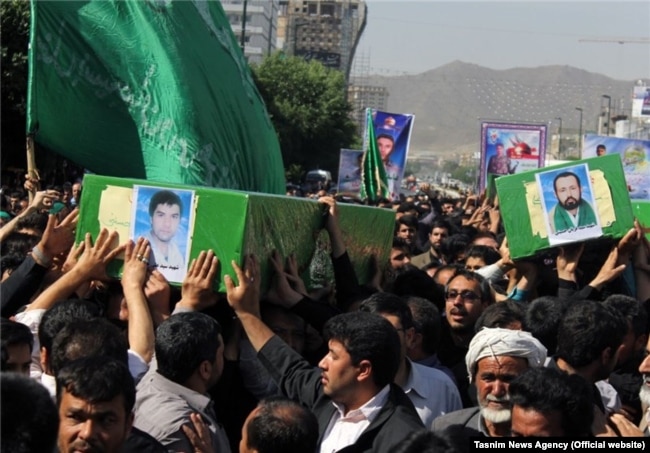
{"points": [[450, 102]]}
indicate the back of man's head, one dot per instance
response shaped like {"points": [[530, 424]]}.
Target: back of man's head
{"points": [[632, 310], [553, 392], [412, 281], [183, 342], [18, 244], [30, 421], [427, 322], [368, 336], [97, 337], [587, 330], [96, 380], [61, 314], [280, 425], [508, 314], [488, 254], [542, 319], [389, 304]]}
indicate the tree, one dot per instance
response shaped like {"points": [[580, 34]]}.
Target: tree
{"points": [[308, 107], [294, 173], [14, 29]]}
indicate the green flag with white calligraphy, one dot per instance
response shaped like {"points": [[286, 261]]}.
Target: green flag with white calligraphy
{"points": [[150, 89]]}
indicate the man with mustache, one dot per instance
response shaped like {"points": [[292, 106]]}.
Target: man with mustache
{"points": [[352, 394], [165, 213], [467, 294], [95, 397], [571, 210], [495, 357]]}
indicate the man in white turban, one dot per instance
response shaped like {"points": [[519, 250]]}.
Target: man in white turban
{"points": [[495, 357]]}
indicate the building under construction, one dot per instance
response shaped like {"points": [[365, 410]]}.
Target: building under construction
{"points": [[323, 30]]}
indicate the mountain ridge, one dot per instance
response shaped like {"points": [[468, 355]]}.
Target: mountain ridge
{"points": [[450, 102]]}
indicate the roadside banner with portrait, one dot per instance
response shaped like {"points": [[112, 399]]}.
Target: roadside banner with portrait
{"points": [[635, 156], [155, 90], [641, 102], [509, 148], [392, 132], [585, 200], [350, 168]]}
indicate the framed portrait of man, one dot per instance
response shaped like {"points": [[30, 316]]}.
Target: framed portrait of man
{"points": [[509, 148], [569, 204], [164, 217]]}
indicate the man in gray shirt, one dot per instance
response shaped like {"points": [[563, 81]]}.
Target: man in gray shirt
{"points": [[189, 354]]}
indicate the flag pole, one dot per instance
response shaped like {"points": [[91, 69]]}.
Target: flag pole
{"points": [[32, 171]]}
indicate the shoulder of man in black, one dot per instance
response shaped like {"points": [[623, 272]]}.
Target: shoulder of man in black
{"points": [[395, 421]]}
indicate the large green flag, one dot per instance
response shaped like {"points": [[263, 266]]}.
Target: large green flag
{"points": [[149, 89], [374, 182]]}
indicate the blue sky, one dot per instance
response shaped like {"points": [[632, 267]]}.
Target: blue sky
{"points": [[416, 36]]}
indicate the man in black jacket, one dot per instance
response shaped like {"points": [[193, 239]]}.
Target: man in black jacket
{"points": [[358, 407]]}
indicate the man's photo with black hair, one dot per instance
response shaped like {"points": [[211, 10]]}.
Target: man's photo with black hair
{"points": [[163, 217]]}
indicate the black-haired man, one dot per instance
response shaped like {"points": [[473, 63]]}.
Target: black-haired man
{"points": [[279, 425], [165, 212], [189, 354], [352, 395], [95, 398]]}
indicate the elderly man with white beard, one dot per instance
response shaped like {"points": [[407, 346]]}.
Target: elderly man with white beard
{"points": [[495, 357]]}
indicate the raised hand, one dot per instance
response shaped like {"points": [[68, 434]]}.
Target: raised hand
{"points": [[281, 293], [198, 434], [96, 257], [59, 238], [244, 297], [135, 263], [196, 292]]}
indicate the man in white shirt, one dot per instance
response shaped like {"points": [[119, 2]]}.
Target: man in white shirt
{"points": [[431, 391]]}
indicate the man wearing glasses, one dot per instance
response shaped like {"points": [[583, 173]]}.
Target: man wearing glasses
{"points": [[467, 294]]}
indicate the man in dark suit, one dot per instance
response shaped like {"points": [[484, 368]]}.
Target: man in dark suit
{"points": [[358, 407]]}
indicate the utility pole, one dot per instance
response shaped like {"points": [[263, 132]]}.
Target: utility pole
{"points": [[268, 51], [243, 29], [609, 111], [580, 133], [559, 140]]}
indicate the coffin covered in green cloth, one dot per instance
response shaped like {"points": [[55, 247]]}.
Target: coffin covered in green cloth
{"points": [[234, 224], [534, 222]]}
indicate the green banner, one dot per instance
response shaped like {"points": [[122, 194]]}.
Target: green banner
{"points": [[155, 89], [374, 183]]}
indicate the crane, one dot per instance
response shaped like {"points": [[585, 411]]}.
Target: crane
{"points": [[617, 40]]}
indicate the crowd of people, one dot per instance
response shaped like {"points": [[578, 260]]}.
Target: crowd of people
{"points": [[450, 339]]}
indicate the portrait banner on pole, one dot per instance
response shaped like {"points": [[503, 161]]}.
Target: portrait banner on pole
{"points": [[392, 133], [350, 167], [509, 148]]}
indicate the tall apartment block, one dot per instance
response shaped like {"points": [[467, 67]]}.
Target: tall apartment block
{"points": [[257, 21], [324, 30]]}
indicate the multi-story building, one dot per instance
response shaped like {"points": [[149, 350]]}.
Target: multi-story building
{"points": [[361, 97], [256, 22], [324, 30]]}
